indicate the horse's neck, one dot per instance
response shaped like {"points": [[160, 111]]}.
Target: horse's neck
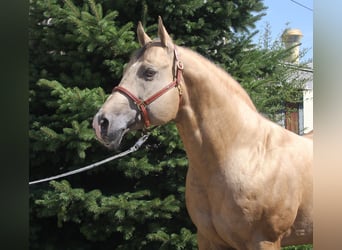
{"points": [[214, 111]]}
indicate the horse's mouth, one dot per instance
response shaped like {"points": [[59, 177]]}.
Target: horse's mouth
{"points": [[113, 140]]}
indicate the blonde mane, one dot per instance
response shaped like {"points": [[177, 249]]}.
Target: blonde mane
{"points": [[227, 81]]}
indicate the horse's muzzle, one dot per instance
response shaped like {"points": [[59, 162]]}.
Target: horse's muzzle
{"points": [[107, 132]]}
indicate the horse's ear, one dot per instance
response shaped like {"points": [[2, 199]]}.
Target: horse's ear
{"points": [[142, 36], [163, 35]]}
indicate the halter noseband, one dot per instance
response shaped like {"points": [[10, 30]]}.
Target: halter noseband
{"points": [[142, 104]]}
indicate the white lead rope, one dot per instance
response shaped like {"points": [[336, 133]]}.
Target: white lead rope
{"points": [[134, 148]]}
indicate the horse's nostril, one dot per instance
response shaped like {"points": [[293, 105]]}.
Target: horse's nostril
{"points": [[104, 126]]}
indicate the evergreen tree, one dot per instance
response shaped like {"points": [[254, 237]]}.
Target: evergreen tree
{"points": [[269, 78], [77, 53]]}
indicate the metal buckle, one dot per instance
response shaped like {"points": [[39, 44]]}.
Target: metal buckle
{"points": [[139, 104]]}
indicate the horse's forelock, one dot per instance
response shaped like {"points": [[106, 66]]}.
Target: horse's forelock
{"points": [[140, 52], [156, 42]]}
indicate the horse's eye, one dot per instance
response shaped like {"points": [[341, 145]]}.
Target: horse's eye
{"points": [[149, 74]]}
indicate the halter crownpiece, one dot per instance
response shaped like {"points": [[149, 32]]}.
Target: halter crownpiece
{"points": [[142, 104]]}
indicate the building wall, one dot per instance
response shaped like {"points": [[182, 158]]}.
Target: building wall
{"points": [[308, 110]]}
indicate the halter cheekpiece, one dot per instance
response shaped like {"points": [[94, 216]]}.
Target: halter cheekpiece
{"points": [[142, 104]]}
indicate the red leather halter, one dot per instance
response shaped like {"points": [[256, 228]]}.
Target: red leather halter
{"points": [[142, 104]]}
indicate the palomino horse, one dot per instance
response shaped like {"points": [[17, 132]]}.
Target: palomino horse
{"points": [[249, 181]]}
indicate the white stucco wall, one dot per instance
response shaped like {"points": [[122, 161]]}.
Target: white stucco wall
{"points": [[308, 110]]}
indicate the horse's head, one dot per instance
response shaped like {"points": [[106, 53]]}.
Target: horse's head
{"points": [[148, 93]]}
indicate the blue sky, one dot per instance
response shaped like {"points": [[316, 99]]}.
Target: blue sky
{"points": [[283, 12]]}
